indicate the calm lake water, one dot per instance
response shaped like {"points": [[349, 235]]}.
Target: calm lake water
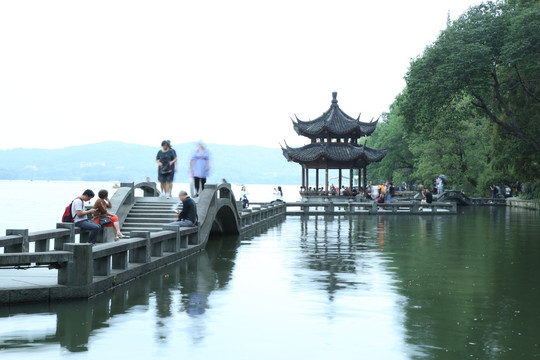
{"points": [[369, 287]]}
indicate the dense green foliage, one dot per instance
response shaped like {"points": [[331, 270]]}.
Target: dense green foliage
{"points": [[471, 107]]}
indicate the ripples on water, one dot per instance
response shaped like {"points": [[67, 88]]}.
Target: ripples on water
{"points": [[376, 287]]}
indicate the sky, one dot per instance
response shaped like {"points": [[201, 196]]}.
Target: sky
{"points": [[228, 72]]}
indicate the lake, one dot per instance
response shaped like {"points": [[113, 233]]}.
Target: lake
{"points": [[375, 287]]}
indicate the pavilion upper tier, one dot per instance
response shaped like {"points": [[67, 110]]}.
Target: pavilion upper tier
{"points": [[334, 124]]}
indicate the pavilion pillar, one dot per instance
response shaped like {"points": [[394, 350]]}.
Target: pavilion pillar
{"points": [[307, 179], [326, 181], [365, 175], [317, 179], [350, 179], [303, 177], [339, 180]]}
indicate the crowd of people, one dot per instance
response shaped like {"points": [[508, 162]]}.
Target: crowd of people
{"points": [[510, 190]]}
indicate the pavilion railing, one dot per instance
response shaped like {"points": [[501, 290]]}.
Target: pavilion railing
{"points": [[352, 208]]}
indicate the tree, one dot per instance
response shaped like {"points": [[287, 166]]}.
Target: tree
{"points": [[489, 56], [390, 134]]}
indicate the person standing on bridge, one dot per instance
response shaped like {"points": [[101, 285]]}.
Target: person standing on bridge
{"points": [[439, 182], [188, 216], [200, 167], [166, 159]]}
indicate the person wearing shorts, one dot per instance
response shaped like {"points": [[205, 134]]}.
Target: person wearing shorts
{"points": [[166, 160]]}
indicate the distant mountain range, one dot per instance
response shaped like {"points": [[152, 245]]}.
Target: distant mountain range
{"points": [[117, 161]]}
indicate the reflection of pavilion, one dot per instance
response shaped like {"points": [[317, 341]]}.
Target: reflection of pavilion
{"points": [[334, 145], [337, 254]]}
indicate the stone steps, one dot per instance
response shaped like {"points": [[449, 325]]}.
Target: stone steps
{"points": [[150, 214]]}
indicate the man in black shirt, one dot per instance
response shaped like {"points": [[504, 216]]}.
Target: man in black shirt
{"points": [[188, 216], [429, 196]]}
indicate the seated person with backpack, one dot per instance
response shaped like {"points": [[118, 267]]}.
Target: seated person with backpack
{"points": [[188, 216], [80, 216]]}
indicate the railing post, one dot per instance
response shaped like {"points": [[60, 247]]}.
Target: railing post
{"points": [[454, 207], [120, 261], [42, 245], [193, 238], [249, 219], [80, 271], [142, 254], [102, 266], [330, 207], [18, 248], [415, 208], [61, 240], [131, 198], [174, 244], [374, 208]]}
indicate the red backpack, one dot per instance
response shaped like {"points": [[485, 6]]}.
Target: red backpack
{"points": [[67, 217]]}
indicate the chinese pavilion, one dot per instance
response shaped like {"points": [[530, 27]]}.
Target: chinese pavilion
{"points": [[334, 145]]}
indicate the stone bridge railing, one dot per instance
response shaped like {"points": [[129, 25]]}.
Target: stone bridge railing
{"points": [[86, 270]]}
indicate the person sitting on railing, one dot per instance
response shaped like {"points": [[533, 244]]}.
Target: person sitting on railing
{"points": [[188, 216], [367, 193], [381, 197], [427, 197], [243, 197], [103, 217], [80, 216]]}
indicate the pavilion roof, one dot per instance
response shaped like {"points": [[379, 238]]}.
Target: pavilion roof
{"points": [[334, 122], [336, 152]]}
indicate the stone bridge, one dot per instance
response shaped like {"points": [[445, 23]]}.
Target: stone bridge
{"points": [[85, 270], [456, 196]]}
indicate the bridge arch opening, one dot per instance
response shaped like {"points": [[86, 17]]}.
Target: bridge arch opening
{"points": [[225, 222]]}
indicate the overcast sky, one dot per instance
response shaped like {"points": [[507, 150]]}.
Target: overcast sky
{"points": [[232, 72]]}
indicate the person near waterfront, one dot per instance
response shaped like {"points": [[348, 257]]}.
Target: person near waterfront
{"points": [[188, 216], [427, 197], [507, 191], [420, 189], [381, 197], [200, 167], [80, 216], [243, 197], [278, 193], [391, 192], [494, 191], [374, 191], [439, 183], [166, 159], [367, 193], [517, 188], [102, 215]]}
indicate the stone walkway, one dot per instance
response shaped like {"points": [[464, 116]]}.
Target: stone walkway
{"points": [[18, 279]]}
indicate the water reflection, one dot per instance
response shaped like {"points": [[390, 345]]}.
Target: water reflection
{"points": [[183, 287], [378, 287], [467, 283]]}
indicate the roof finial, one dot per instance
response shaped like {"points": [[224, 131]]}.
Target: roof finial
{"points": [[334, 97]]}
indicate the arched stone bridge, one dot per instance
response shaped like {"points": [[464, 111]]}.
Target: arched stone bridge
{"points": [[85, 270]]}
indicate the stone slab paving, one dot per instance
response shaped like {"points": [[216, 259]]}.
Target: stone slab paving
{"points": [[30, 278]]}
